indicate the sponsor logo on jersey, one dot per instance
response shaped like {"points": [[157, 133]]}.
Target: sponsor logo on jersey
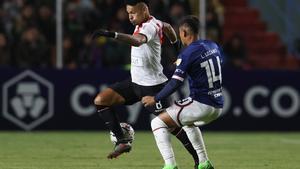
{"points": [[178, 61]]}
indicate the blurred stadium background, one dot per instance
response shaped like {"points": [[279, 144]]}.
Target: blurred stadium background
{"points": [[51, 71]]}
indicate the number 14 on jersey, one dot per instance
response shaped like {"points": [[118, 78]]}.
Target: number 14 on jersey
{"points": [[211, 71]]}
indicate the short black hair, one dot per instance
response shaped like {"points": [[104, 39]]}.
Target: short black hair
{"points": [[134, 2], [192, 22]]}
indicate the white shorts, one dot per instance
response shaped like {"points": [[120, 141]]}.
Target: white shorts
{"points": [[191, 112]]}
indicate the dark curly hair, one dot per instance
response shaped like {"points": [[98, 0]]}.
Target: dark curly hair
{"points": [[192, 22]]}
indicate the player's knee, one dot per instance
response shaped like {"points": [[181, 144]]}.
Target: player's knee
{"points": [[98, 100], [101, 101], [101, 105], [157, 123], [108, 97]]}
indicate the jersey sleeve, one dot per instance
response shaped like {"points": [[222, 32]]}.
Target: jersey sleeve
{"points": [[177, 78], [171, 87], [148, 30], [182, 65]]}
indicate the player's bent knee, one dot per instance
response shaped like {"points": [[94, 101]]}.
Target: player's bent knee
{"points": [[157, 123], [103, 101], [109, 97], [98, 100], [105, 98]]}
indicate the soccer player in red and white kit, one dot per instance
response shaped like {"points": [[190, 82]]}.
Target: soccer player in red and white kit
{"points": [[147, 76]]}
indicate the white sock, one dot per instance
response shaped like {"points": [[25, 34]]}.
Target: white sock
{"points": [[195, 136], [163, 140]]}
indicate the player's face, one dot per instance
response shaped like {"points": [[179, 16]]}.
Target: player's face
{"points": [[135, 14]]}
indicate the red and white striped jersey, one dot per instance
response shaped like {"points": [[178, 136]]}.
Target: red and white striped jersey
{"points": [[146, 68]]}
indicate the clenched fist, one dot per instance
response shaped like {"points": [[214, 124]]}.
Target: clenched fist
{"points": [[104, 33], [148, 101]]}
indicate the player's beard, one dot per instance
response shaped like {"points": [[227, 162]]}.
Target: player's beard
{"points": [[133, 23]]}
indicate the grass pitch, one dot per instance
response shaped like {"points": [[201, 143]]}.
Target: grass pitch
{"points": [[88, 150]]}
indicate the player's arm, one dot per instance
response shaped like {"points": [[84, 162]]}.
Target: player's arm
{"points": [[133, 40], [170, 88], [169, 32], [175, 82]]}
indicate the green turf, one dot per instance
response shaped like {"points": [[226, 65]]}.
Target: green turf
{"points": [[87, 150]]}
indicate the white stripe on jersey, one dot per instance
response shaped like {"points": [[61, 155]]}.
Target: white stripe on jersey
{"points": [[178, 78]]}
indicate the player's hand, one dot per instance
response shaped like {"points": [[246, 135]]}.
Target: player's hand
{"points": [[104, 33], [148, 101]]}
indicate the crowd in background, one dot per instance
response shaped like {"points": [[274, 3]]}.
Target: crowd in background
{"points": [[28, 31]]}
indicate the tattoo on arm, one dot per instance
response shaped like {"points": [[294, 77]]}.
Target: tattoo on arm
{"points": [[134, 40], [170, 32]]}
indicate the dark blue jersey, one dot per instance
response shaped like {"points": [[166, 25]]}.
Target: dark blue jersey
{"points": [[201, 63]]}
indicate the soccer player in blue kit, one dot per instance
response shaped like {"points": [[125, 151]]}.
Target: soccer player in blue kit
{"points": [[200, 62]]}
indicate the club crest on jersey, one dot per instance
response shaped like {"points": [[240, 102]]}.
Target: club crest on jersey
{"points": [[178, 61]]}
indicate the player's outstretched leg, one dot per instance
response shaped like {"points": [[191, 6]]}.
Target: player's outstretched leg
{"points": [[122, 145], [104, 102]]}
